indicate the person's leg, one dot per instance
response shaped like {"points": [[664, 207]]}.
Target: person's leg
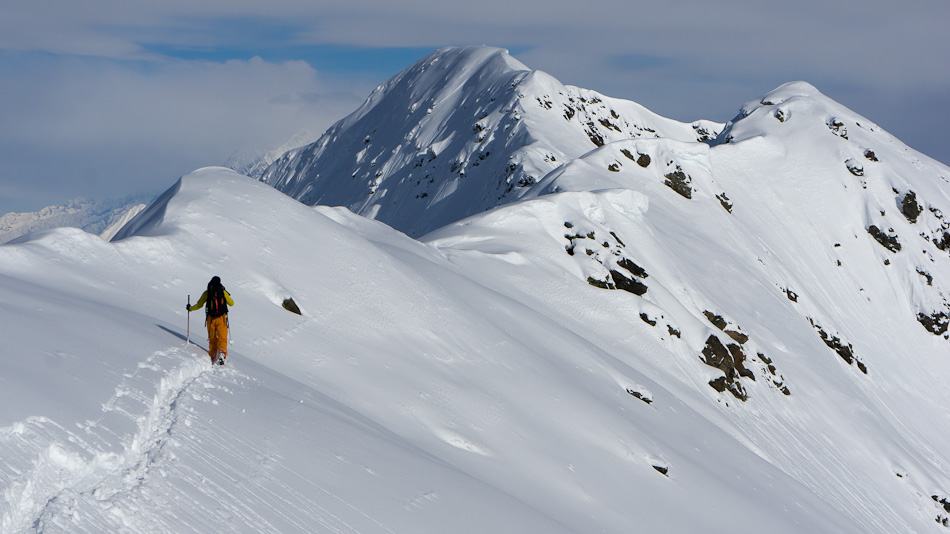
{"points": [[218, 337], [213, 339]]}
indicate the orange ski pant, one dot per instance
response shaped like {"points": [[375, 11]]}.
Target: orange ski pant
{"points": [[217, 335]]}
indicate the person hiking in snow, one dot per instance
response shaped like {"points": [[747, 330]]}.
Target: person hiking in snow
{"points": [[216, 301]]}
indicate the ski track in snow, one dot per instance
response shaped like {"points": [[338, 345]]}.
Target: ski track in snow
{"points": [[148, 479], [75, 469]]}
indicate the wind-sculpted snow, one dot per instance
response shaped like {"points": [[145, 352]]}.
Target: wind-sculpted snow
{"points": [[419, 397], [659, 335], [90, 471]]}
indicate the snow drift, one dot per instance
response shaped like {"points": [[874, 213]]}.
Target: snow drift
{"points": [[659, 334]]}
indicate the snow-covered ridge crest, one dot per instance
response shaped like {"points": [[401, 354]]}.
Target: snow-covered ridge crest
{"points": [[578, 361], [799, 113], [186, 203], [461, 131]]}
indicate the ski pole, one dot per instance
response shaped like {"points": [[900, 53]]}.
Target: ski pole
{"points": [[188, 335]]}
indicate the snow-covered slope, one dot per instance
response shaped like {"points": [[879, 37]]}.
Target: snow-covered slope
{"points": [[477, 383], [461, 131], [652, 333], [803, 259], [97, 217]]}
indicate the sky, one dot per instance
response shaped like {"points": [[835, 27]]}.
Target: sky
{"points": [[104, 99]]}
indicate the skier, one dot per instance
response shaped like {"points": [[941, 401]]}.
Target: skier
{"points": [[216, 319]]}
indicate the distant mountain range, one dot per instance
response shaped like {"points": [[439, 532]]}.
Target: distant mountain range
{"points": [[101, 217], [254, 161]]}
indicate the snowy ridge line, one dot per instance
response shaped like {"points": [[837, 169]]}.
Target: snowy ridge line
{"points": [[72, 471]]}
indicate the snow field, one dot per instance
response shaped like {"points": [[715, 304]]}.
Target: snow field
{"points": [[480, 379]]}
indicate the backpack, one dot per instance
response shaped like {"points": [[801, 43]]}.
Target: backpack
{"points": [[216, 305]]}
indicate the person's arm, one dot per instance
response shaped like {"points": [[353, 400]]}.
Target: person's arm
{"points": [[228, 298], [200, 303]]}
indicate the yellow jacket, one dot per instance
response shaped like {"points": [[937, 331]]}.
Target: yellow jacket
{"points": [[204, 297]]}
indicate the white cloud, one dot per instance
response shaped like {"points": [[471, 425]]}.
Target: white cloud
{"points": [[93, 127], [63, 116]]}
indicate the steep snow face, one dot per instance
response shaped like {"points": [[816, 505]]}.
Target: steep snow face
{"points": [[801, 261], [426, 383], [461, 131], [848, 182]]}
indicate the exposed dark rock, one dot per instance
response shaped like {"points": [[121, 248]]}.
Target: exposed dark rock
{"points": [[721, 324], [643, 160], [910, 208], [792, 296], [627, 284], [527, 180], [944, 242], [646, 319], [738, 357], [724, 200], [943, 501], [738, 337], [599, 283], [609, 125], [594, 134], [633, 268], [854, 167], [662, 470], [674, 332], [703, 134], [936, 323], [614, 167], [845, 351], [837, 128], [729, 361], [928, 276], [716, 320], [291, 306], [568, 112], [941, 519], [621, 244], [615, 279], [890, 242], [680, 182], [640, 396], [869, 154], [719, 384], [777, 380]]}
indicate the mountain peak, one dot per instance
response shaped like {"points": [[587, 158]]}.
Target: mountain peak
{"points": [[460, 131], [782, 110]]}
